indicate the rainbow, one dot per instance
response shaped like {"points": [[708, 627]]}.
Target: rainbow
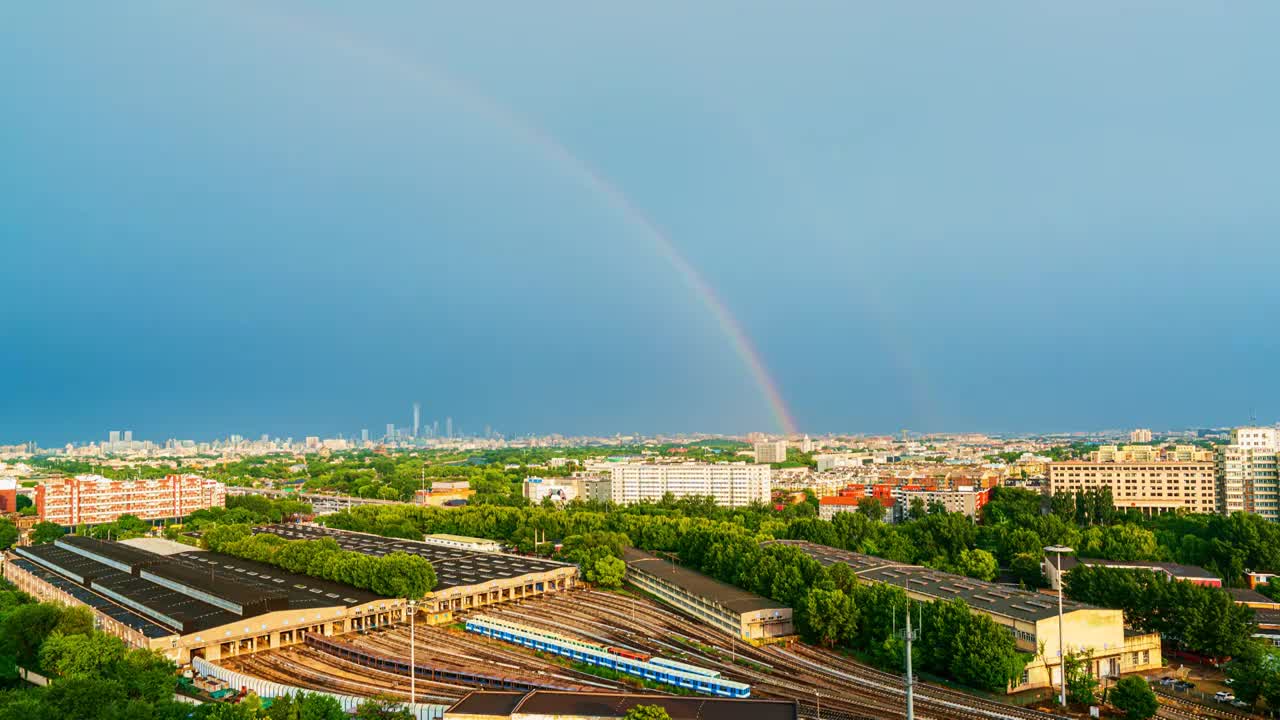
{"points": [[596, 182]]}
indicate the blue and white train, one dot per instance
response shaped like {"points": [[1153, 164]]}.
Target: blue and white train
{"points": [[670, 672]]}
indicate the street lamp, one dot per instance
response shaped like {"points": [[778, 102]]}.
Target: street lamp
{"points": [[1062, 656], [413, 670]]}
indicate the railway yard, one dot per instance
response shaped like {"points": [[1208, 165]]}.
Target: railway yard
{"points": [[823, 683]]}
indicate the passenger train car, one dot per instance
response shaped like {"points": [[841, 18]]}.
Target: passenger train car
{"points": [[670, 672]]}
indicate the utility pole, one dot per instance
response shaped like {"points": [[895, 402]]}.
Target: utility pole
{"points": [[413, 669], [1062, 656], [911, 712]]}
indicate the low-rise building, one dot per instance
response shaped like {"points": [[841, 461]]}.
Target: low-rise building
{"points": [[1030, 617], [728, 609], [965, 499], [1172, 571], [559, 489], [462, 542]]}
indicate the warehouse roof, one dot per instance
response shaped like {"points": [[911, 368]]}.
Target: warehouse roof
{"points": [[453, 566], [122, 615], [990, 597], [487, 702], [695, 583], [192, 591], [551, 703], [1177, 570]]}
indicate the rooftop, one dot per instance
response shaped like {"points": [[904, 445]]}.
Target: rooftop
{"points": [[990, 597], [460, 538], [1174, 569], [454, 566], [1247, 596], [182, 593], [615, 705], [695, 583]]}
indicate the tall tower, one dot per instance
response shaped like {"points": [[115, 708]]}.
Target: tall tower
{"points": [[448, 427], [417, 418]]}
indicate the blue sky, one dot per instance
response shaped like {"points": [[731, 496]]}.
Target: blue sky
{"points": [[294, 218]]}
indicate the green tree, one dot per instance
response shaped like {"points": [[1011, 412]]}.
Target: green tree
{"points": [[1134, 697], [830, 616], [1255, 674], [646, 712], [978, 564], [382, 707], [8, 533], [871, 508], [610, 572], [1081, 685], [44, 532]]}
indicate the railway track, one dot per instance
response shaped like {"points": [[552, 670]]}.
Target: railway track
{"points": [[845, 686]]}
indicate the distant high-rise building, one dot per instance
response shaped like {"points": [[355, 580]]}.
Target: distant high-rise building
{"points": [[417, 417], [1141, 435], [1248, 478], [364, 435], [391, 432], [806, 445], [128, 437], [771, 451], [448, 427], [113, 439]]}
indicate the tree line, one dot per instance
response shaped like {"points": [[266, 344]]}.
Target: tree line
{"points": [[397, 574]]}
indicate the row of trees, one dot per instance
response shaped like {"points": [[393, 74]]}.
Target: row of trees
{"points": [[397, 574], [94, 675], [1202, 619]]}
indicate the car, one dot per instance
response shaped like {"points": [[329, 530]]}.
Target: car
{"points": [[1166, 680], [1239, 703], [1183, 685], [1223, 696]]}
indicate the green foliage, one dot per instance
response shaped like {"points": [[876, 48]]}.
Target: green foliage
{"points": [[609, 572], [45, 532], [1203, 619], [1134, 697], [397, 574], [8, 533], [830, 617], [1081, 685], [305, 706], [646, 712], [382, 708], [95, 675], [1255, 674]]}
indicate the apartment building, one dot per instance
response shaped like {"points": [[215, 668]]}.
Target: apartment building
{"points": [[93, 499], [1247, 475], [771, 451], [1141, 435], [963, 499], [731, 484], [1147, 481]]}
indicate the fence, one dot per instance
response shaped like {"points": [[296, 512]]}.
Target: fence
{"points": [[266, 689]]}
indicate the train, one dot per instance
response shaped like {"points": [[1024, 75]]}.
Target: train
{"points": [[670, 672], [630, 654]]}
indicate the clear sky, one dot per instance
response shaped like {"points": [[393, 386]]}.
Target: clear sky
{"points": [[286, 217]]}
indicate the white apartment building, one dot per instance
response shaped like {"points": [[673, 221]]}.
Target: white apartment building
{"points": [[1141, 435], [771, 451], [1248, 480], [731, 484]]}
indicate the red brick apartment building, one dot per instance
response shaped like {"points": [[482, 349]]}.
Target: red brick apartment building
{"points": [[94, 499]]}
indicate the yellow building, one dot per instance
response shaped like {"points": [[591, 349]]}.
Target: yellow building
{"points": [[1151, 486], [1030, 617]]}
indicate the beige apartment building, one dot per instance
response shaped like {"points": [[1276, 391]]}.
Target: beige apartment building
{"points": [[1143, 481]]}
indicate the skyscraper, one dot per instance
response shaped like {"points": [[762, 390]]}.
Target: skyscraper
{"points": [[391, 432], [417, 417], [113, 440], [448, 427], [364, 435], [128, 436]]}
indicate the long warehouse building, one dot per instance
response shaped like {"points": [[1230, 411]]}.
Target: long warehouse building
{"points": [[194, 603], [737, 612], [1031, 617], [466, 579]]}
